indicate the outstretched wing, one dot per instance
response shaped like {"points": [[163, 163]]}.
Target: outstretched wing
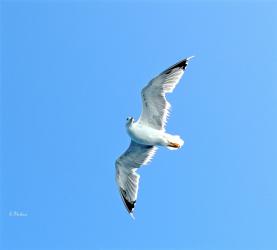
{"points": [[126, 176], [155, 108]]}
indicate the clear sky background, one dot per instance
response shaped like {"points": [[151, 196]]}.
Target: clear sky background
{"points": [[72, 72]]}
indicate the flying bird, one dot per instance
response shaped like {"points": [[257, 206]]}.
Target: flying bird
{"points": [[148, 132]]}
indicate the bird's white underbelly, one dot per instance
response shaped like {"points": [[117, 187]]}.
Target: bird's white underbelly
{"points": [[146, 135]]}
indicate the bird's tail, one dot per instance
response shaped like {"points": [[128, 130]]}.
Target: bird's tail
{"points": [[174, 142]]}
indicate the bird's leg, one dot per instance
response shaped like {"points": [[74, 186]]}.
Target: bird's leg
{"points": [[174, 145]]}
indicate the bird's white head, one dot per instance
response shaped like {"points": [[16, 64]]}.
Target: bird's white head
{"points": [[129, 121]]}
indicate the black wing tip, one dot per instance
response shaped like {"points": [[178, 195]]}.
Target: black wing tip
{"points": [[129, 205], [181, 64]]}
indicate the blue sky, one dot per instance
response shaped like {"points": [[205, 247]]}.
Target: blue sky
{"points": [[71, 72]]}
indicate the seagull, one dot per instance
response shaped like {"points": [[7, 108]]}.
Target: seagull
{"points": [[148, 132]]}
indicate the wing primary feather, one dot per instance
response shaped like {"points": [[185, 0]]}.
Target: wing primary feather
{"points": [[181, 64], [129, 205]]}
